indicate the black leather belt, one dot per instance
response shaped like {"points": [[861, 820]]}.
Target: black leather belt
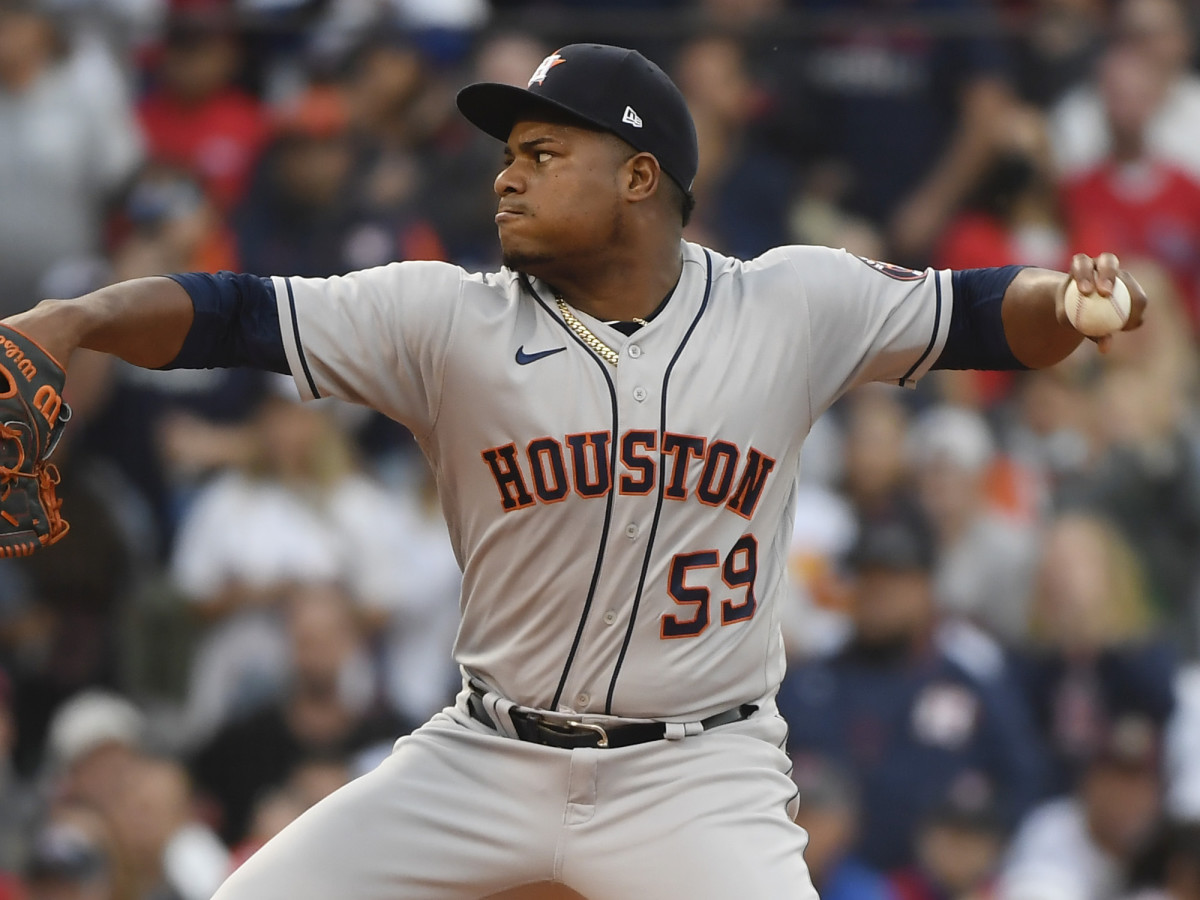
{"points": [[569, 735]]}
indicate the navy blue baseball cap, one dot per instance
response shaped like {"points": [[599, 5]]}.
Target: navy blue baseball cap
{"points": [[610, 88]]}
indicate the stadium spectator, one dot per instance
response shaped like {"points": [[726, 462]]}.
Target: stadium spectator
{"points": [[902, 713], [1049, 433], [876, 467], [173, 226], [92, 738], [1094, 658], [196, 116], [417, 617], [303, 215], [814, 620], [925, 101], [396, 110], [828, 801], [392, 111], [1160, 31], [78, 593], [866, 435], [393, 100], [959, 846], [1081, 846], [1011, 215], [165, 431], [984, 560], [66, 148], [1137, 201], [329, 709], [298, 211], [1166, 353], [297, 512], [1146, 478], [742, 189], [1056, 48], [170, 854]]}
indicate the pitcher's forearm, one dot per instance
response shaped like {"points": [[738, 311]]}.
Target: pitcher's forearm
{"points": [[1035, 333], [143, 321]]}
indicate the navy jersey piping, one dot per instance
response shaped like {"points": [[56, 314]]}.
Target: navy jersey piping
{"points": [[312, 385], [937, 321], [637, 598], [608, 507]]}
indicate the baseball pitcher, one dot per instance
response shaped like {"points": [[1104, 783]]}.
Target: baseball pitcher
{"points": [[615, 419]]}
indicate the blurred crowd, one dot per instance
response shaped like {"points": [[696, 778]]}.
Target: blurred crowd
{"points": [[994, 618]]}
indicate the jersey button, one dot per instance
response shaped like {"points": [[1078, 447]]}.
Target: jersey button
{"points": [[639, 394], [635, 351], [610, 617], [631, 530], [583, 700]]}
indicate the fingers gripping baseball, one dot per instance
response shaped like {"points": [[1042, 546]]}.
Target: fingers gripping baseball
{"points": [[1099, 277]]}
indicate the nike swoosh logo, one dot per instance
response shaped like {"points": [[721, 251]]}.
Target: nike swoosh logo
{"points": [[524, 359]]}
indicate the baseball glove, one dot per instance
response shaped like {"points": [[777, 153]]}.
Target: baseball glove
{"points": [[32, 418]]}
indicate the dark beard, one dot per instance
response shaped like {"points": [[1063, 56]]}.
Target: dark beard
{"points": [[525, 262]]}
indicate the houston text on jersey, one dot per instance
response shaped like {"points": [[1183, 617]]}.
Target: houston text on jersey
{"points": [[546, 471]]}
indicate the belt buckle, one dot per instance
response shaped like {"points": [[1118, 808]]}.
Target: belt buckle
{"points": [[573, 726], [588, 726]]}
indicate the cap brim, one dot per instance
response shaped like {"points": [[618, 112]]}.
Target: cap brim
{"points": [[494, 108]]}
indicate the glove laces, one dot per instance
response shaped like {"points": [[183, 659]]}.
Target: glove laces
{"points": [[47, 476]]}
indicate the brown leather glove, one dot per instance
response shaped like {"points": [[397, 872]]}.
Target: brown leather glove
{"points": [[32, 418]]}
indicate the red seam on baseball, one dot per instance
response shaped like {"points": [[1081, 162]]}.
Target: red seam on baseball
{"points": [[1112, 298]]}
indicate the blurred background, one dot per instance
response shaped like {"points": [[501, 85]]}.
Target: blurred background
{"points": [[994, 618]]}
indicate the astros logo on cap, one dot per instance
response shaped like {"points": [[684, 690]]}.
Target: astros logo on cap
{"points": [[540, 73]]}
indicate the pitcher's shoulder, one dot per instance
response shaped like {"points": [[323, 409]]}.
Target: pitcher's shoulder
{"points": [[780, 270]]}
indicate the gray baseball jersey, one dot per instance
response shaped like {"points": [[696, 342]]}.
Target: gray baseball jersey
{"points": [[623, 530]]}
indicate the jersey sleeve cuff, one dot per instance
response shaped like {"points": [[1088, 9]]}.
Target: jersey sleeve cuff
{"points": [[289, 327], [977, 338], [939, 331]]}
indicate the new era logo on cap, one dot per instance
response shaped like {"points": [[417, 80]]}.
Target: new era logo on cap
{"points": [[631, 117]]}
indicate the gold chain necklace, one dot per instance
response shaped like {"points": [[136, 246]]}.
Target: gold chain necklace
{"points": [[601, 349]]}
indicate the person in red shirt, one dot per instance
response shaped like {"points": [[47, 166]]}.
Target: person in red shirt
{"points": [[196, 117], [1135, 201], [1012, 215], [1012, 212]]}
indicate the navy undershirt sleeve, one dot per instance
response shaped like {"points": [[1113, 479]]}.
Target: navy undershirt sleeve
{"points": [[976, 339], [236, 323]]}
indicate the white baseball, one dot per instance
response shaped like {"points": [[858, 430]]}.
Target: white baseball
{"points": [[1094, 314]]}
